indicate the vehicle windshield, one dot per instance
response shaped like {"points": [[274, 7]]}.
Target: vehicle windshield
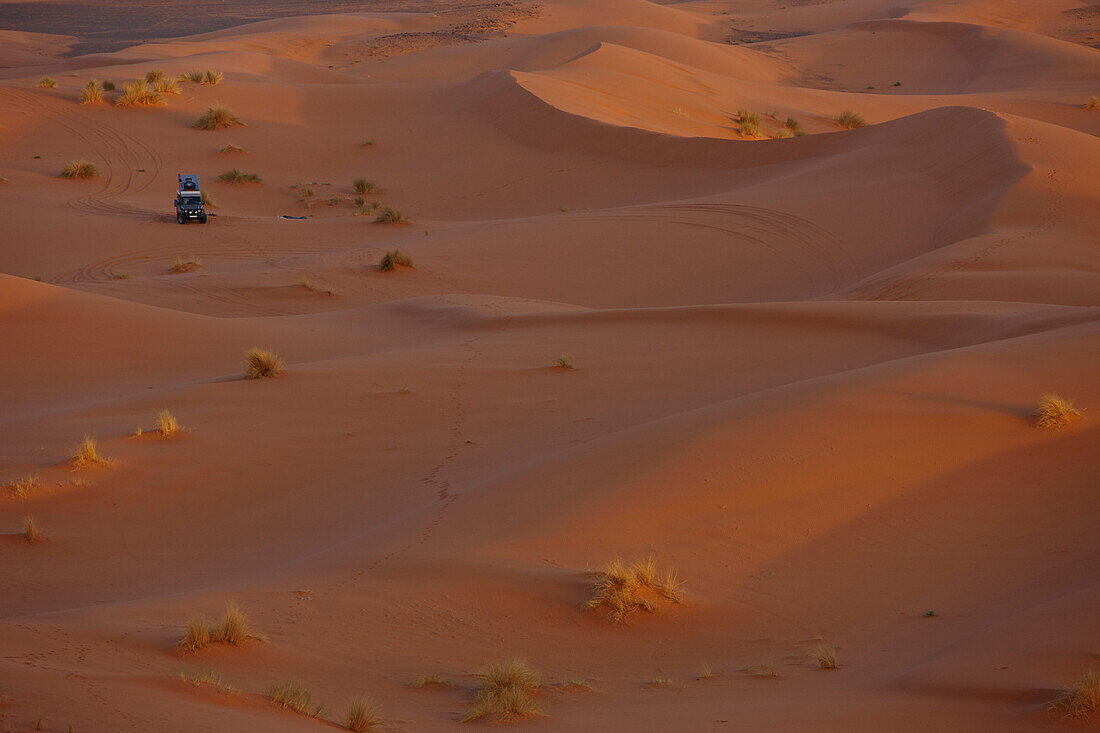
{"points": [[190, 202]]}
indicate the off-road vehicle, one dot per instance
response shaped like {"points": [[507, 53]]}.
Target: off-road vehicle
{"points": [[189, 200]]}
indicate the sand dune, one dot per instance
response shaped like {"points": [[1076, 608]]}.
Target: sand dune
{"points": [[798, 369]]}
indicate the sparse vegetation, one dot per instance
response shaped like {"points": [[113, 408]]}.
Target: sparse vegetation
{"points": [[363, 715], [167, 425], [30, 530], [209, 678], [167, 86], [153, 76], [236, 175], [793, 125], [194, 76], [825, 656], [218, 117], [431, 679], [80, 170], [260, 364], [21, 487], [212, 78], [294, 696], [707, 672], [313, 287], [233, 630], [87, 453], [186, 265], [363, 186], [138, 94], [368, 143], [47, 83], [623, 588], [108, 85], [392, 259], [750, 123], [506, 692], [231, 149], [91, 93], [196, 635], [850, 120], [564, 362], [764, 669], [1082, 698], [1092, 103], [390, 215], [1055, 412], [783, 133]]}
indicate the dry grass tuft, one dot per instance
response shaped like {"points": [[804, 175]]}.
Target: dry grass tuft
{"points": [[363, 715], [167, 424], [368, 143], [750, 123], [193, 76], [80, 170], [623, 588], [138, 94], [364, 186], [167, 86], [431, 679], [47, 83], [212, 78], [764, 669], [108, 85], [21, 487], [236, 175], [564, 362], [707, 672], [30, 530], [209, 678], [152, 77], [186, 265], [392, 259], [294, 696], [506, 692], [87, 453], [261, 364], [1091, 103], [231, 149], [1055, 412], [390, 215], [1082, 698], [196, 635], [825, 656], [91, 93], [233, 628], [218, 117], [849, 120]]}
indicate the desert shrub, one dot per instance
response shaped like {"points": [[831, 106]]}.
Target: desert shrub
{"points": [[21, 487], [292, 696], [1082, 698], [507, 690], [186, 265], [260, 364], [209, 678], [750, 123], [196, 635], [166, 423], [363, 715], [372, 141], [233, 628], [87, 453], [390, 215], [231, 149], [392, 259], [825, 656], [793, 125], [564, 362], [363, 186], [236, 175], [621, 588], [194, 76], [217, 118], [80, 169], [1055, 412], [91, 93], [167, 86], [1092, 103], [764, 669], [212, 78], [30, 530], [154, 75], [849, 120], [108, 85], [138, 94], [47, 83], [431, 679]]}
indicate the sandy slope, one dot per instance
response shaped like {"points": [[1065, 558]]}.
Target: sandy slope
{"points": [[804, 367]]}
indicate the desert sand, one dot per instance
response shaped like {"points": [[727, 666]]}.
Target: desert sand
{"points": [[800, 370]]}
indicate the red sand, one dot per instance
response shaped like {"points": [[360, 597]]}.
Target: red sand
{"points": [[805, 367]]}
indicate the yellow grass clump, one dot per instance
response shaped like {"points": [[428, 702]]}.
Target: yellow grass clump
{"points": [[261, 364], [392, 259], [390, 215], [750, 123], [167, 86], [364, 186], [232, 630], [564, 362], [1082, 698], [218, 117], [507, 692], [186, 265], [195, 76], [294, 696], [154, 76], [621, 588], [196, 635], [1092, 103], [47, 83], [364, 715], [212, 78], [167, 424], [431, 679], [30, 530], [138, 94], [231, 149], [21, 487], [825, 656], [87, 453], [91, 93], [850, 120], [236, 175], [80, 170], [1055, 412], [209, 678]]}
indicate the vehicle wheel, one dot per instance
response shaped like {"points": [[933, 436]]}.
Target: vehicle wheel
{"points": [[179, 218], [202, 219]]}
